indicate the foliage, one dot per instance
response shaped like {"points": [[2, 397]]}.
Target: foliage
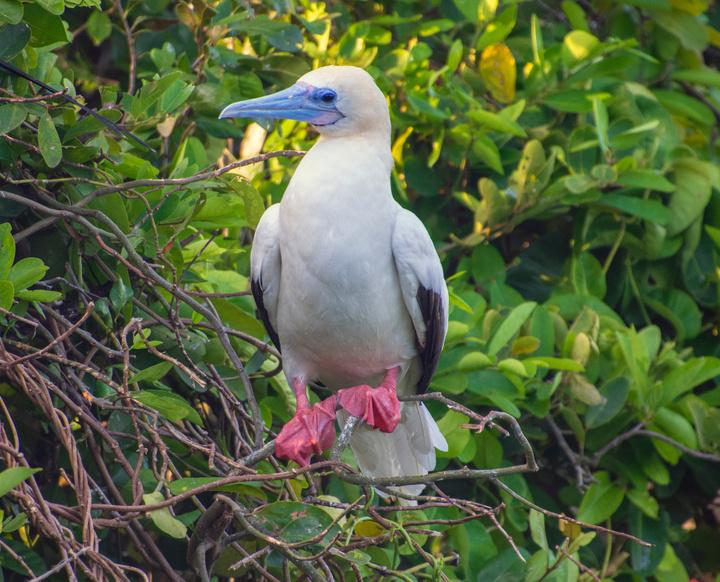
{"points": [[562, 155]]}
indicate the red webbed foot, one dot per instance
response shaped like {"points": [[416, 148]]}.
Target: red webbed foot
{"points": [[379, 407], [311, 431]]}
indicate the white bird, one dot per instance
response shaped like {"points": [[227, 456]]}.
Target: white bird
{"points": [[347, 282]]}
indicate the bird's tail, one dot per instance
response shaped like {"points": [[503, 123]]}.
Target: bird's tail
{"points": [[408, 450]]}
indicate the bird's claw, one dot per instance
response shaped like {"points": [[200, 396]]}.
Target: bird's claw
{"points": [[311, 431], [378, 407]]}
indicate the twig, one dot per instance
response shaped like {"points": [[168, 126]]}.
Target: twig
{"points": [[688, 451], [53, 343], [130, 44], [582, 567], [36, 99], [564, 517]]}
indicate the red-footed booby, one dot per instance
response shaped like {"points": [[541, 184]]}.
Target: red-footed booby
{"points": [[347, 282]]}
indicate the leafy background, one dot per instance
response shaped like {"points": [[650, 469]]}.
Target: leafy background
{"points": [[563, 157]]}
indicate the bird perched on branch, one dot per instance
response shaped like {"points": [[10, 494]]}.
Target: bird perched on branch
{"points": [[347, 282]]}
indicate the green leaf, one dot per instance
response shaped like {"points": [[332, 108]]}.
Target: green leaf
{"points": [[685, 106], [600, 115], [685, 27], [510, 326], [238, 319], [578, 45], [295, 522], [49, 141], [537, 528], [27, 272], [576, 15], [7, 250], [579, 183], [283, 36], [485, 149], [684, 378], [7, 294], [252, 201], [601, 500], [90, 125], [455, 55], [647, 179], [41, 295], [678, 308], [615, 393], [52, 6], [641, 499], [175, 95], [585, 391], [648, 209], [569, 101], [135, 167], [47, 30], [497, 30], [646, 559], [185, 484], [14, 523], [15, 38], [11, 11], [702, 76], [537, 565], [487, 264], [451, 383], [496, 122], [694, 180], [11, 116], [457, 438], [472, 362], [714, 234], [163, 519], [152, 373], [671, 568], [120, 294], [168, 404], [12, 477], [707, 422], [564, 364], [99, 27], [650, 462], [676, 427], [587, 275]]}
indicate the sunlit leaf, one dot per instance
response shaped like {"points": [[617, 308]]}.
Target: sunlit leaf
{"points": [[497, 68]]}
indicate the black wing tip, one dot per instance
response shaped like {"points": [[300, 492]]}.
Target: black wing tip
{"points": [[9, 67], [257, 291], [430, 303]]}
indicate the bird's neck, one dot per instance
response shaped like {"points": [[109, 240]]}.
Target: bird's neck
{"points": [[376, 141]]}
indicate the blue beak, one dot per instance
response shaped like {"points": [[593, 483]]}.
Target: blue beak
{"points": [[299, 102]]}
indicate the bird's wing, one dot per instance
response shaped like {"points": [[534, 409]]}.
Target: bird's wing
{"points": [[265, 264], [423, 289]]}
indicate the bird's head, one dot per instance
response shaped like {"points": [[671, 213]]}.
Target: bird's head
{"points": [[336, 100]]}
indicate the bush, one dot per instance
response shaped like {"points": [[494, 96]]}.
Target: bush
{"points": [[564, 159]]}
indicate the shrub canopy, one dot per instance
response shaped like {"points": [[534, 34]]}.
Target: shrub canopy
{"points": [[563, 157]]}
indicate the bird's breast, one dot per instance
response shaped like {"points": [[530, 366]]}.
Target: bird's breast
{"points": [[341, 315]]}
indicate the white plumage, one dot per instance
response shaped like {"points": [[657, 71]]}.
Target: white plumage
{"points": [[348, 282]]}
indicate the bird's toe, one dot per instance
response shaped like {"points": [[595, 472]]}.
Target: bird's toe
{"points": [[310, 431], [378, 407]]}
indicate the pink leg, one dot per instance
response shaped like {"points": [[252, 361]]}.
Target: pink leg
{"points": [[311, 430], [379, 407]]}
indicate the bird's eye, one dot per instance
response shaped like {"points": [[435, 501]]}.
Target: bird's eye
{"points": [[327, 96]]}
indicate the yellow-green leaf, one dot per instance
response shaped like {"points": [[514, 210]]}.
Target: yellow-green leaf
{"points": [[498, 72], [163, 519], [578, 45]]}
